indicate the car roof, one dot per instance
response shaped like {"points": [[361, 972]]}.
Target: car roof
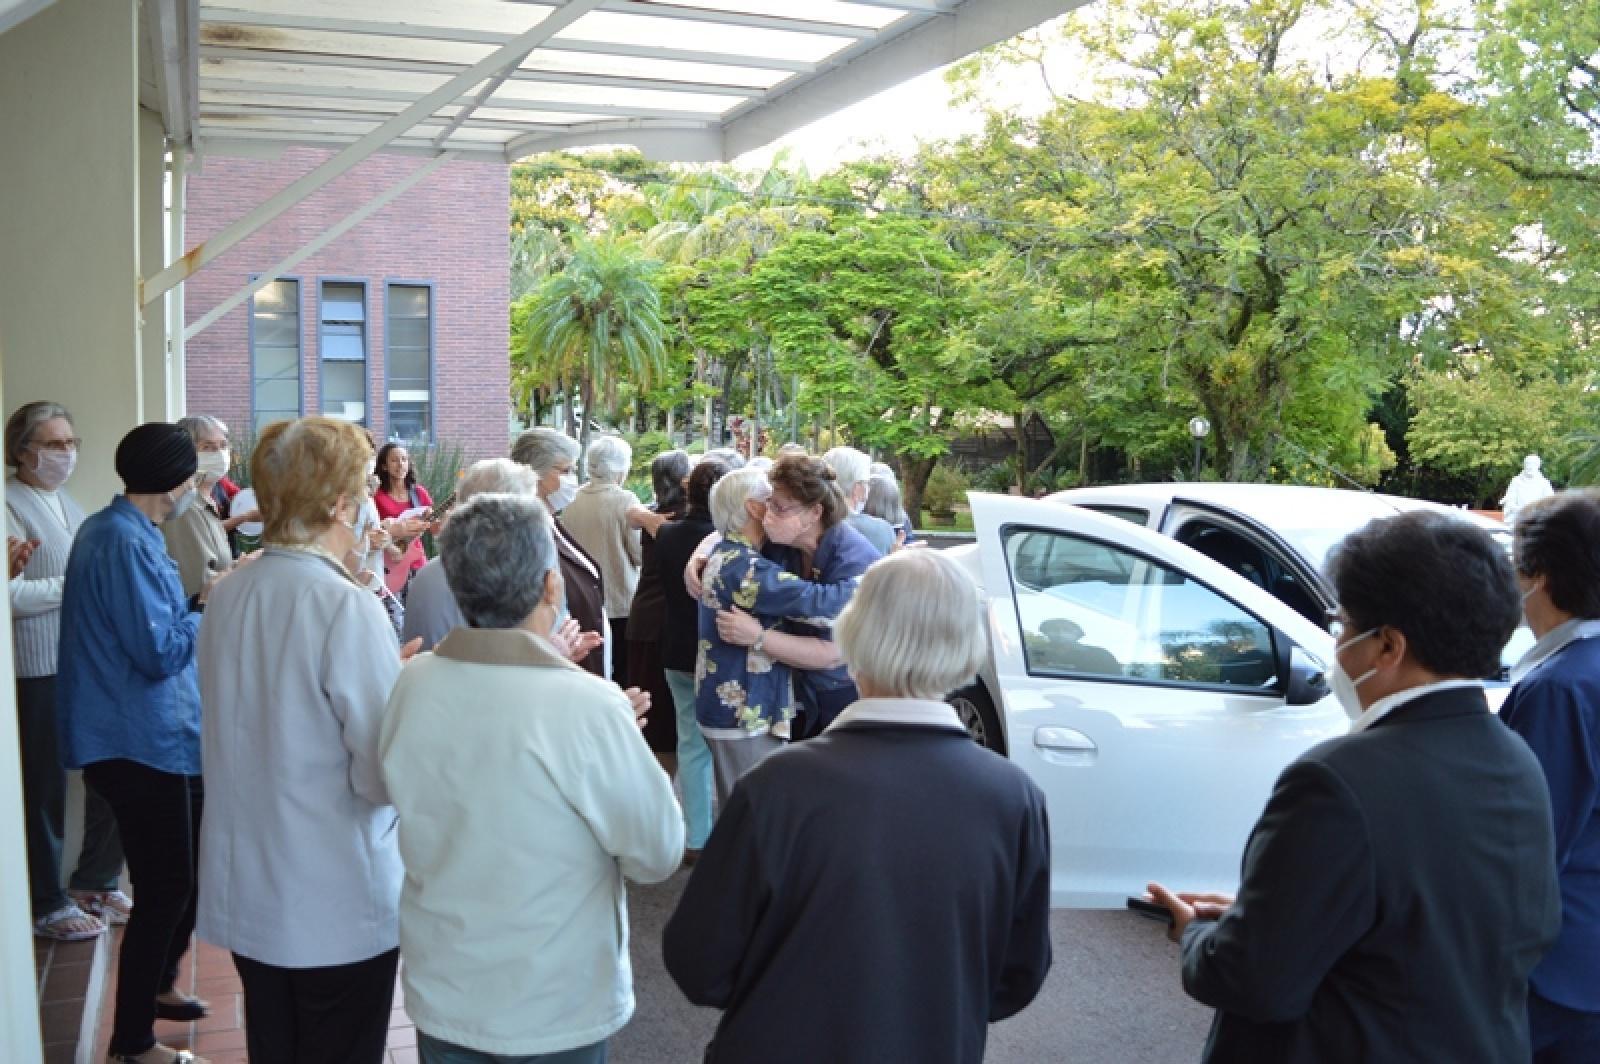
{"points": [[1276, 505]]}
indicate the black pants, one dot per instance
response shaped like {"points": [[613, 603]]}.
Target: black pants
{"points": [[619, 650], [1562, 1035], [333, 1015], [158, 816], [44, 807]]}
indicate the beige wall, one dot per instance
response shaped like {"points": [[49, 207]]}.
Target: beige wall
{"points": [[69, 325]]}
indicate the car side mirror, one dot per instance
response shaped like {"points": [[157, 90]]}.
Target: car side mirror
{"points": [[1308, 680]]}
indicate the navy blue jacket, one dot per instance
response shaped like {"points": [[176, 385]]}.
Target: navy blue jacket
{"points": [[1556, 708], [842, 554], [878, 895]]}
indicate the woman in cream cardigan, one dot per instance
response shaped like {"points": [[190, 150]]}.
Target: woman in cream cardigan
{"points": [[300, 871]]}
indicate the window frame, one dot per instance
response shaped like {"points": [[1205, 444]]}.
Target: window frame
{"points": [[299, 345], [389, 284], [366, 347], [1278, 649]]}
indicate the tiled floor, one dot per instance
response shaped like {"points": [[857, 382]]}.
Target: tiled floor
{"points": [[208, 973], [63, 969]]}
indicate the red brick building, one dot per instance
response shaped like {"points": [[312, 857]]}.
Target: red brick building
{"points": [[400, 324]]}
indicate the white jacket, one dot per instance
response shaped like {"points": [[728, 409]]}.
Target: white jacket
{"points": [[299, 865], [525, 793]]}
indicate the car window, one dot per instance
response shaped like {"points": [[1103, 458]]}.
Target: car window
{"points": [[1089, 608], [1131, 514]]}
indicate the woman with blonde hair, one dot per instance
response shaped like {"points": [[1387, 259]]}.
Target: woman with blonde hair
{"points": [[300, 870]]}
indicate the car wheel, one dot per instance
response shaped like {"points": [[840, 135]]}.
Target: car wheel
{"points": [[976, 710]]}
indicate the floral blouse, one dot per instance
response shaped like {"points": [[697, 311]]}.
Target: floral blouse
{"points": [[741, 687]]}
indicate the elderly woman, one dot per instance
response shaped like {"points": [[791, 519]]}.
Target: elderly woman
{"points": [[301, 873], [808, 535], [551, 455], [853, 470], [129, 716], [1401, 882], [197, 539], [680, 623], [669, 476], [605, 519], [526, 796], [42, 451], [891, 879], [1555, 706], [883, 501], [741, 692]]}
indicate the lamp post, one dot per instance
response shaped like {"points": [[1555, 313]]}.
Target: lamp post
{"points": [[1199, 428]]}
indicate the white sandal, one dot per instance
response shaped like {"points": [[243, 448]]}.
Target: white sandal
{"points": [[112, 906], [58, 925], [163, 1055]]}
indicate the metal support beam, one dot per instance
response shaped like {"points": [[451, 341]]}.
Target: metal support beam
{"points": [[349, 222], [511, 53], [177, 203], [797, 23], [173, 74]]}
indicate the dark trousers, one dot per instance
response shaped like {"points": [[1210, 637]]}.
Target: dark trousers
{"points": [[158, 816], [619, 650], [44, 807], [1562, 1035], [819, 711], [333, 1015]]}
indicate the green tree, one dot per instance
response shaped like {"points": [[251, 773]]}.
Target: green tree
{"points": [[598, 321]]}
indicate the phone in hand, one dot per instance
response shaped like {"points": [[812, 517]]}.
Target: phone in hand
{"points": [[1150, 910]]}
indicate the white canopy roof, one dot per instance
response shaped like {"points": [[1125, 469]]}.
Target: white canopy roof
{"points": [[680, 79]]}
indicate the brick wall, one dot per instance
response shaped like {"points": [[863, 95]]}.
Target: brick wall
{"points": [[450, 231]]}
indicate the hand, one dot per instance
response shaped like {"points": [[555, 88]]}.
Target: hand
{"points": [[640, 700], [899, 540], [1188, 907], [377, 539], [565, 637], [250, 517], [18, 551], [411, 528], [691, 576], [579, 645], [737, 628], [410, 650], [211, 583]]}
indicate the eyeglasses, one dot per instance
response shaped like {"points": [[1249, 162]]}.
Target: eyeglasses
{"points": [[782, 511], [60, 446]]}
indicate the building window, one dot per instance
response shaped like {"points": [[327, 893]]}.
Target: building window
{"points": [[275, 352], [343, 344], [410, 361]]}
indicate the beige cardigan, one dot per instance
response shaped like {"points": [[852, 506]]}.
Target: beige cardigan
{"points": [[198, 543], [598, 520]]}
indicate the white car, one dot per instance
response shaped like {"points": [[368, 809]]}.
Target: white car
{"points": [[1151, 674]]}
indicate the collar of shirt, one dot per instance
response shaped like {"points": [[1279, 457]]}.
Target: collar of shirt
{"points": [[914, 711], [1389, 703], [135, 516], [1553, 642]]}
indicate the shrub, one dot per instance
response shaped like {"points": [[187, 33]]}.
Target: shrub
{"points": [[946, 487]]}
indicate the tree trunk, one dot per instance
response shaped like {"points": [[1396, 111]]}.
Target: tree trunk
{"points": [[586, 396], [670, 412], [914, 479], [1021, 420]]}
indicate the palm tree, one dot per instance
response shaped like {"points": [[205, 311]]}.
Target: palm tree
{"points": [[598, 318]]}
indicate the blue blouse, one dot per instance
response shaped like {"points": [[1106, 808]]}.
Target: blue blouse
{"points": [[842, 554], [126, 685], [740, 687]]}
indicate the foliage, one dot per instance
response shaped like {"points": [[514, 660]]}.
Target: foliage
{"points": [[947, 487], [1480, 426]]}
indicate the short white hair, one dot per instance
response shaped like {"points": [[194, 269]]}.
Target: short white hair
{"points": [[850, 466], [914, 628], [760, 462], [729, 495], [609, 459], [883, 469], [497, 476], [541, 448]]}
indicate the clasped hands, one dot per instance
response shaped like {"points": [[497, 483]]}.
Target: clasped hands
{"points": [[1187, 907]]}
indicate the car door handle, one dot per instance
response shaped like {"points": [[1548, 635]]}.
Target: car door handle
{"points": [[1065, 746]]}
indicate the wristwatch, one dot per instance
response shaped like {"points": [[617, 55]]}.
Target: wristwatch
{"points": [[760, 645]]}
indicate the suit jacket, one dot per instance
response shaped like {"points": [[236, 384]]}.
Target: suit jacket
{"points": [[586, 595], [1396, 893], [878, 894], [1556, 708]]}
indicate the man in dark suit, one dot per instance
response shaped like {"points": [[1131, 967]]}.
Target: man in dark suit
{"points": [[1400, 885], [1555, 706]]}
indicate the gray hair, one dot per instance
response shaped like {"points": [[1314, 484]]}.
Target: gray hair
{"points": [[760, 462], [609, 459], [197, 425], [883, 469], [497, 476], [730, 457], [541, 448], [883, 500], [914, 628], [851, 466], [730, 494], [496, 550], [20, 427]]}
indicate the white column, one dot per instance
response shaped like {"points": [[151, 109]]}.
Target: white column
{"points": [[69, 329]]}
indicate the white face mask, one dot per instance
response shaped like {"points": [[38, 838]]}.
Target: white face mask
{"points": [[54, 467], [562, 497], [214, 464], [1344, 688]]}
